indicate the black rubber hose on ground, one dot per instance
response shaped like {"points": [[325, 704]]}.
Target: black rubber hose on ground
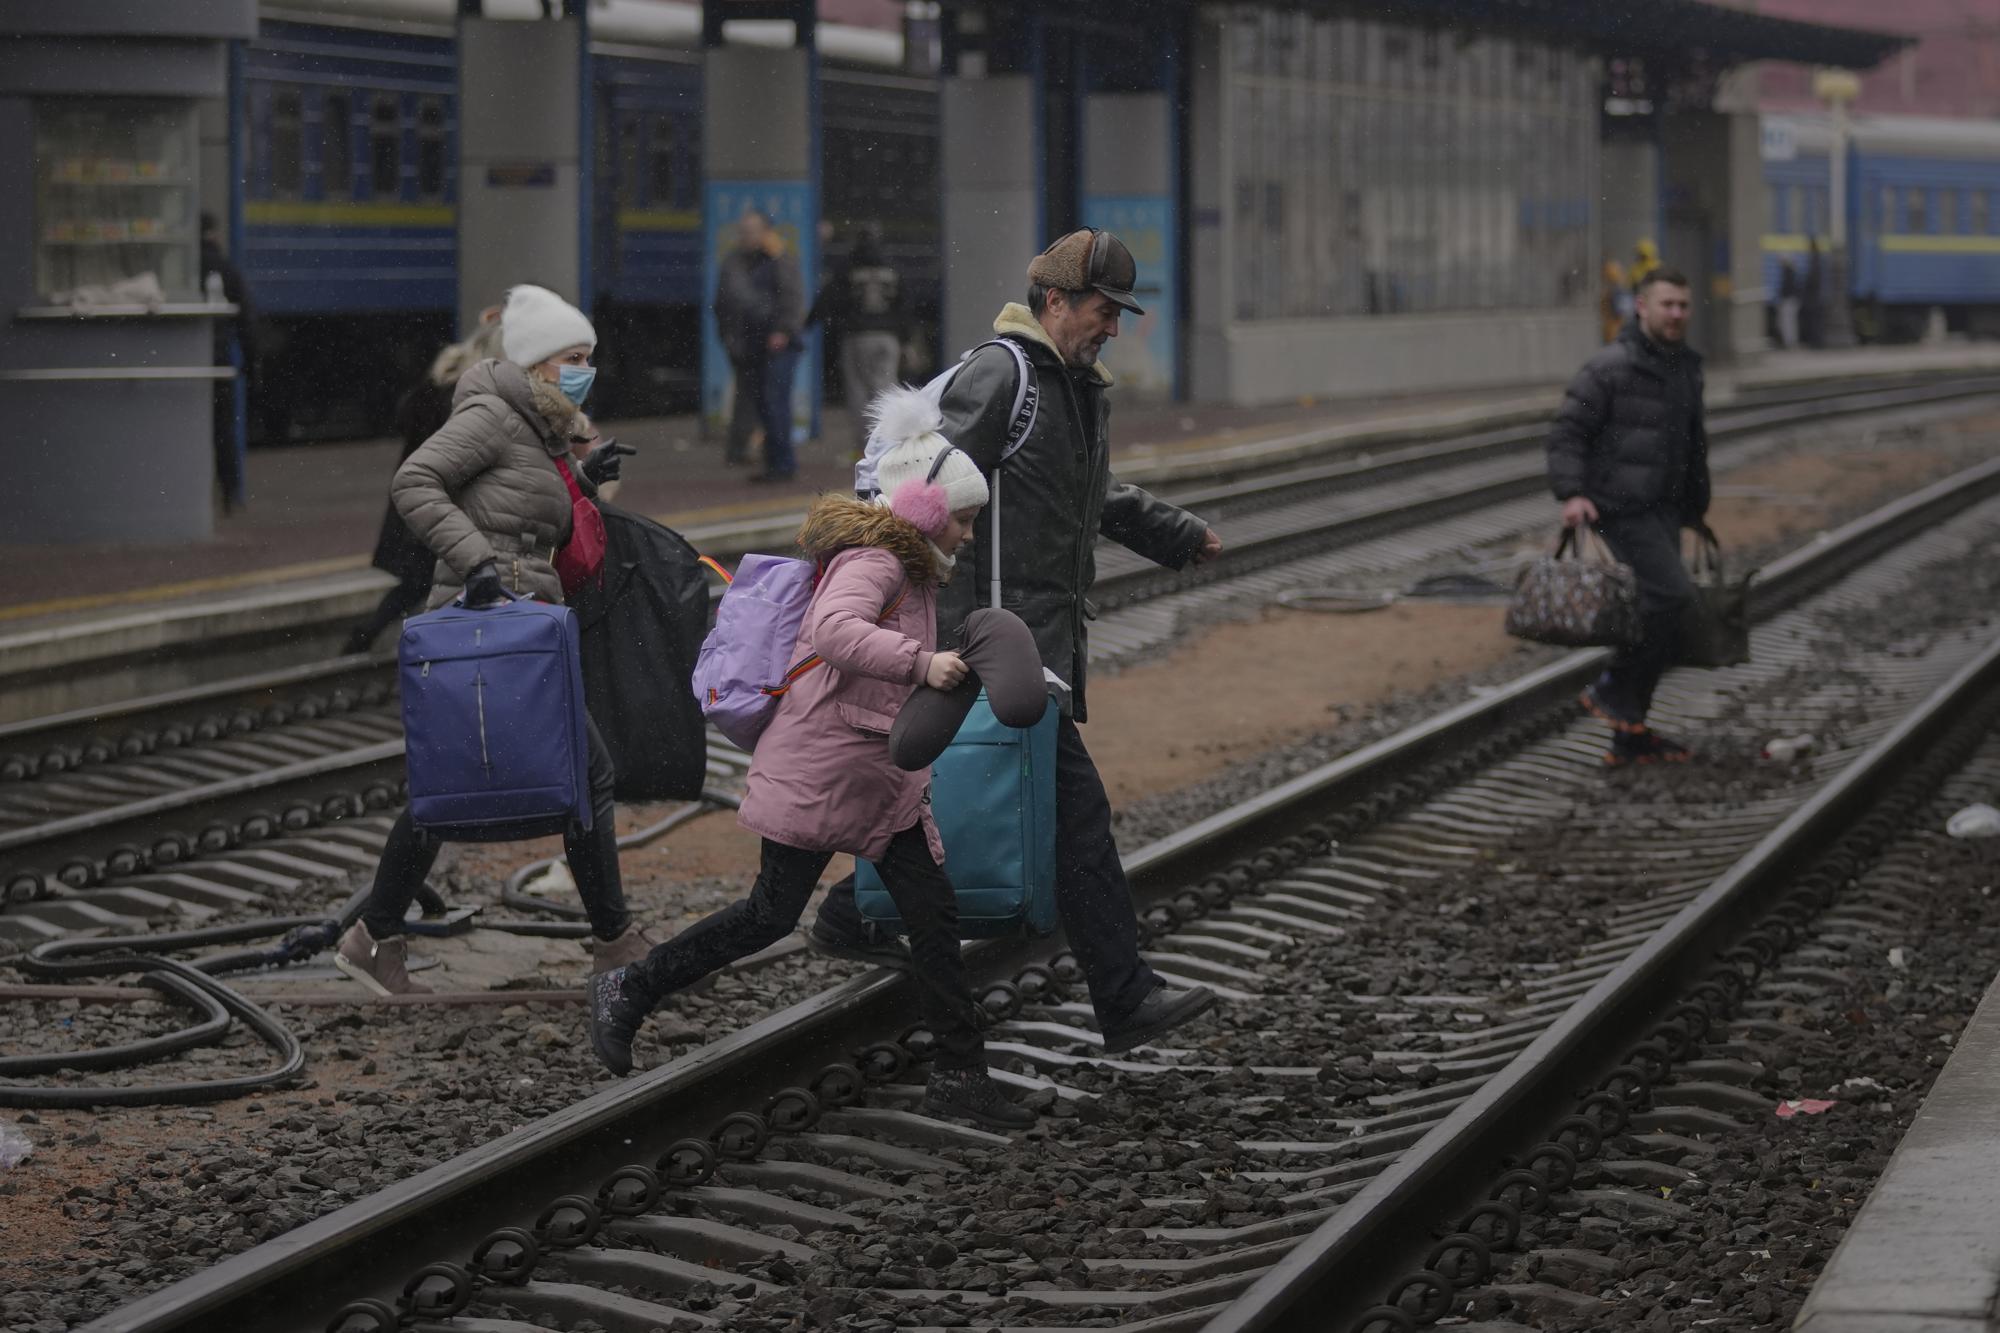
{"points": [[72, 959]]}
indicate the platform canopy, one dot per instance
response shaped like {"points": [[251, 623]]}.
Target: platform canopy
{"points": [[1666, 31]]}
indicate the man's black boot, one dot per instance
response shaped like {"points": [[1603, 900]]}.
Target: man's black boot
{"points": [[971, 1094], [1160, 1012], [828, 942]]}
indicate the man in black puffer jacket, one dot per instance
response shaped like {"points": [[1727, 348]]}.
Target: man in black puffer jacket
{"points": [[1628, 455], [1054, 496]]}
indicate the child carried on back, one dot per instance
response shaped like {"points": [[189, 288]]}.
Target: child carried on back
{"points": [[821, 778]]}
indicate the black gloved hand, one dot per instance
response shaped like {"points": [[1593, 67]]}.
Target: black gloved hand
{"points": [[603, 463], [483, 586]]}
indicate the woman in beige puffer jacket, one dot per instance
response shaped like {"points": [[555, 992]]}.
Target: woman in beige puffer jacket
{"points": [[485, 495]]}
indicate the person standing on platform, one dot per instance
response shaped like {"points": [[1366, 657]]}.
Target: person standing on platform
{"points": [[486, 495], [1612, 299], [1055, 496], [759, 311], [1812, 298], [235, 347], [864, 305], [1628, 456], [1788, 304]]}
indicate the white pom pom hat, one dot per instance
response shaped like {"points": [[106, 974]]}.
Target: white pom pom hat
{"points": [[536, 324], [924, 479]]}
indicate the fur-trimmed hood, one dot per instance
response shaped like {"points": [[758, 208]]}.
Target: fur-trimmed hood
{"points": [[836, 522], [1017, 321], [554, 417]]}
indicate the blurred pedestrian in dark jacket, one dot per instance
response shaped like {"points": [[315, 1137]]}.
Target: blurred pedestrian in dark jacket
{"points": [[759, 312], [421, 412], [863, 306], [1628, 457], [1812, 298], [236, 347]]}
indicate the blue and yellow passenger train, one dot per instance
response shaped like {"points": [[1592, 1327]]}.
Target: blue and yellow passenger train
{"points": [[348, 146], [1923, 216]]}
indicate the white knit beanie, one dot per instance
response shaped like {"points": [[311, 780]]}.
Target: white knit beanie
{"points": [[924, 480], [537, 324]]}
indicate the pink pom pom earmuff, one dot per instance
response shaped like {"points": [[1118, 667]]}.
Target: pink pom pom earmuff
{"points": [[923, 505]]}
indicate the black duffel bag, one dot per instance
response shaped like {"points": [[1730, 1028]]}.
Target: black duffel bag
{"points": [[1715, 626], [642, 627]]}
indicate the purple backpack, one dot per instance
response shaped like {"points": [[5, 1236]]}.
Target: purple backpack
{"points": [[746, 663]]}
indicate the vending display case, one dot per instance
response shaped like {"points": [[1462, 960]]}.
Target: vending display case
{"points": [[116, 218]]}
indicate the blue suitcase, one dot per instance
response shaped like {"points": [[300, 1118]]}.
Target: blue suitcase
{"points": [[493, 721], [993, 793]]}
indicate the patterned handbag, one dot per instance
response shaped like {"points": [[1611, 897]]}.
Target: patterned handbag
{"points": [[1576, 598], [1715, 626]]}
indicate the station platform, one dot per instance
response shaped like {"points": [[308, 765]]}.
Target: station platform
{"points": [[1923, 1255], [292, 568]]}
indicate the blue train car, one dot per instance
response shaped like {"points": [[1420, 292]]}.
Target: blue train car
{"points": [[1923, 217], [349, 135], [349, 244]]}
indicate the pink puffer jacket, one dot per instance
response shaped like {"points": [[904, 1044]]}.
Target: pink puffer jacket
{"points": [[821, 778]]}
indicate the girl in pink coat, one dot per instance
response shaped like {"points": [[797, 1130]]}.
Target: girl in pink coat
{"points": [[822, 781]]}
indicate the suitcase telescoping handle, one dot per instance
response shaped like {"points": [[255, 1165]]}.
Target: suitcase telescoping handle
{"points": [[510, 595]]}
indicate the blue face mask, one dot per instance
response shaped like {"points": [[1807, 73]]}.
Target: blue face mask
{"points": [[574, 382]]}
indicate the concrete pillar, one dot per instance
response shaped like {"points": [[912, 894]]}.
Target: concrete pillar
{"points": [[1211, 267], [523, 190], [108, 402], [992, 201], [760, 149], [1629, 168], [1129, 187], [1746, 218]]}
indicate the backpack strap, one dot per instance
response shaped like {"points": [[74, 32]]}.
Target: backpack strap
{"points": [[1020, 420], [1027, 395]]}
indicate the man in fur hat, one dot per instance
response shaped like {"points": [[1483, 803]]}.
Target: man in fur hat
{"points": [[1053, 496]]}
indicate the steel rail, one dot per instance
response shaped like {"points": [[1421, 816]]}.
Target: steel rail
{"points": [[1254, 487], [57, 841], [1329, 1279], [450, 1206]]}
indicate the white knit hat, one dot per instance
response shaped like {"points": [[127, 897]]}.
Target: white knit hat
{"points": [[537, 324], [923, 478]]}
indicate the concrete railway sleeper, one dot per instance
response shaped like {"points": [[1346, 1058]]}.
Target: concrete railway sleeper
{"points": [[765, 1176], [1701, 1011]]}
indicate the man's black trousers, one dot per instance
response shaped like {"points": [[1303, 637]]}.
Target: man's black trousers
{"points": [[1650, 542]]}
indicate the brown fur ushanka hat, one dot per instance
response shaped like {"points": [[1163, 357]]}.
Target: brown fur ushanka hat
{"points": [[1089, 260]]}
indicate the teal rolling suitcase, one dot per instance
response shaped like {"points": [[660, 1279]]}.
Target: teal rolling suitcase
{"points": [[993, 793]]}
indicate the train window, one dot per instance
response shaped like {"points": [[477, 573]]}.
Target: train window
{"points": [[626, 166], [430, 147], [1915, 215], [385, 146], [661, 176], [336, 147], [287, 143], [1888, 220], [1774, 209], [1948, 212], [1980, 212]]}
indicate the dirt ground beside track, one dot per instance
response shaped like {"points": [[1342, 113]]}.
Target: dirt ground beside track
{"points": [[1245, 685], [1221, 695]]}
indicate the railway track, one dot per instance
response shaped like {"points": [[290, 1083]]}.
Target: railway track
{"points": [[1249, 1179], [111, 818]]}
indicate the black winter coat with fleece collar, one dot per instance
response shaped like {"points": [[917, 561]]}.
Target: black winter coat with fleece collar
{"points": [[1055, 496]]}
